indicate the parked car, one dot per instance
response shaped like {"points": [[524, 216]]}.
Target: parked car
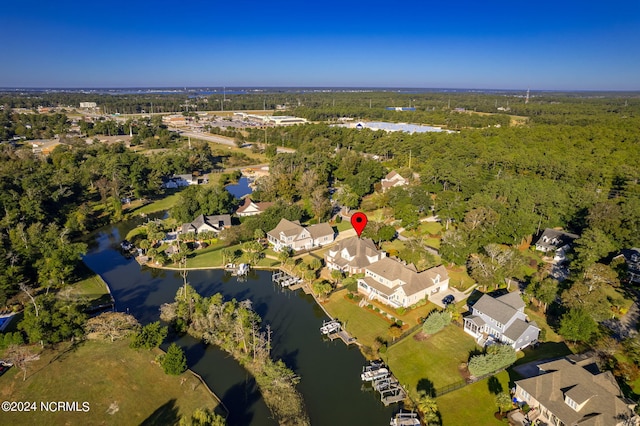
{"points": [[448, 299]]}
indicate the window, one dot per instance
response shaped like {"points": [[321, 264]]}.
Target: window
{"points": [[571, 403]]}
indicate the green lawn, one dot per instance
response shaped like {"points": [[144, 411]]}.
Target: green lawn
{"points": [[434, 360], [474, 404], [211, 257], [92, 289], [459, 279], [159, 205], [121, 385], [345, 225], [360, 323]]}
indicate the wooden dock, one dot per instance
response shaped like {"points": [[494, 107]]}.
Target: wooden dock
{"points": [[342, 335], [284, 279]]}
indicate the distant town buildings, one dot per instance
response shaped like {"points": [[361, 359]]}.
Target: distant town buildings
{"points": [[277, 120], [88, 105], [395, 127]]}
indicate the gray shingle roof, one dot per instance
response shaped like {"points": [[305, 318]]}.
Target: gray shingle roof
{"points": [[552, 239], [494, 308]]}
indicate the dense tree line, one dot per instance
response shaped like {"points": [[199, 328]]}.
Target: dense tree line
{"points": [[235, 327], [47, 203]]}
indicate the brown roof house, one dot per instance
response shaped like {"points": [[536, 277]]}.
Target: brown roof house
{"points": [[352, 255], [251, 208], [501, 319], [396, 284], [572, 391], [297, 237], [393, 179]]}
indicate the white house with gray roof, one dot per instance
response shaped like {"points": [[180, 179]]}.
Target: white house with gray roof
{"points": [[501, 319], [352, 255], [556, 241], [212, 223], [570, 392], [297, 237], [394, 283]]}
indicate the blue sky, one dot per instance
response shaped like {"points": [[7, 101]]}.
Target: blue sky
{"points": [[543, 45]]}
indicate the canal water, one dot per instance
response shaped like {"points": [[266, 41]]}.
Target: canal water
{"points": [[329, 371], [241, 188]]}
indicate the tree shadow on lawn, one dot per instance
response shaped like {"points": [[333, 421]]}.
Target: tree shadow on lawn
{"points": [[166, 414], [494, 385], [426, 385]]}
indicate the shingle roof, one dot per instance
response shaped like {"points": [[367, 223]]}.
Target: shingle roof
{"points": [[361, 249], [320, 230], [414, 282], [517, 329], [495, 309], [246, 203], [603, 406], [562, 238], [287, 227]]}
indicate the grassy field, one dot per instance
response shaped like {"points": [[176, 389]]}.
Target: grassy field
{"points": [[459, 279], [431, 363], [121, 385], [92, 289], [474, 404], [159, 205], [360, 323]]}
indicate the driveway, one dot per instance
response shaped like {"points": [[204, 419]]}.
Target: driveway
{"points": [[437, 298]]}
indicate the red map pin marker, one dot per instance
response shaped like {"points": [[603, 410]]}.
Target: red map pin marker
{"points": [[359, 221]]}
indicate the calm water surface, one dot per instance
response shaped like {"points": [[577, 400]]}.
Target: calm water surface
{"points": [[330, 371], [240, 189]]}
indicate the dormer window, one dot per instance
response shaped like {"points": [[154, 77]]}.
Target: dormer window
{"points": [[571, 403]]}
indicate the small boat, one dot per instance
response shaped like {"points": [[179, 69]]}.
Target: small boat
{"points": [[405, 419], [374, 374], [126, 245], [329, 327]]}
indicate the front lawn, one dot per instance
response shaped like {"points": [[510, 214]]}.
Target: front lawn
{"points": [[431, 363], [473, 404]]}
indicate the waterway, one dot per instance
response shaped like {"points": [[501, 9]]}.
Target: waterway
{"points": [[241, 188], [329, 371]]}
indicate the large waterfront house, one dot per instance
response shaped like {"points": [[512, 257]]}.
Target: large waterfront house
{"points": [[501, 319], [399, 285], [393, 179], [572, 391], [297, 237], [252, 208], [212, 223], [352, 255], [558, 242], [179, 181]]}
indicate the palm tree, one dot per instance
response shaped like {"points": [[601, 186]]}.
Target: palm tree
{"points": [[427, 406]]}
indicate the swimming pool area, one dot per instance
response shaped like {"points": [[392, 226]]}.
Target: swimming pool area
{"points": [[4, 321]]}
